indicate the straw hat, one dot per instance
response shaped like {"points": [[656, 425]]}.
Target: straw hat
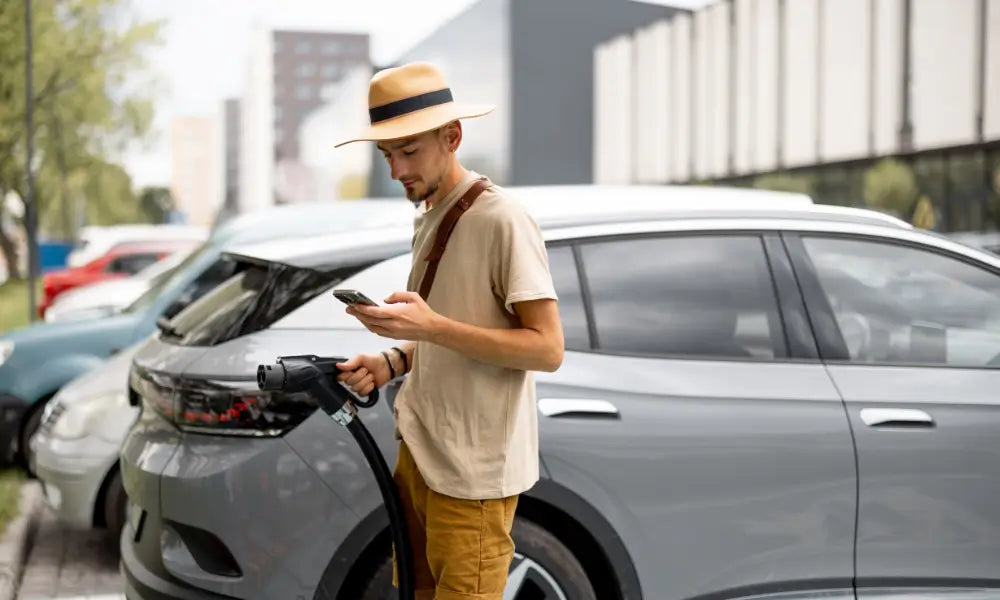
{"points": [[410, 100]]}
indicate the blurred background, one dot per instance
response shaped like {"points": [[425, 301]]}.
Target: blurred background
{"points": [[180, 115]]}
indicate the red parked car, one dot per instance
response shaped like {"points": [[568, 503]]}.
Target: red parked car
{"points": [[122, 260]]}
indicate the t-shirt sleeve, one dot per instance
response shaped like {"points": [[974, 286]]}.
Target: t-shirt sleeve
{"points": [[521, 270]]}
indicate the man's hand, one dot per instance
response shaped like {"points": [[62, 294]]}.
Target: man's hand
{"points": [[364, 373], [406, 318]]}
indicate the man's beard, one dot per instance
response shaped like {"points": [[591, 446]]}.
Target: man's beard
{"points": [[416, 198]]}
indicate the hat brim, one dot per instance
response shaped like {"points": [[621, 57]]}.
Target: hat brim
{"points": [[420, 121]]}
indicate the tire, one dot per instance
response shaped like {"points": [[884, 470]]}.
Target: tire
{"points": [[543, 568], [28, 428], [114, 507]]}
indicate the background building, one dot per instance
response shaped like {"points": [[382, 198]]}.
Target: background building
{"points": [[541, 132], [196, 167], [287, 74], [813, 95], [231, 136], [338, 173]]}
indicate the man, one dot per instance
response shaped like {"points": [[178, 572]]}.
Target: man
{"points": [[466, 414]]}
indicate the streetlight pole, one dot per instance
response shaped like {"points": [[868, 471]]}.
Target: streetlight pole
{"points": [[30, 212]]}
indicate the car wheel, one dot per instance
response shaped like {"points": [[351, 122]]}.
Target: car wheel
{"points": [[543, 569], [114, 507], [29, 427]]}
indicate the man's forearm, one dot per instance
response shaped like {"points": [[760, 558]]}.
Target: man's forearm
{"points": [[523, 348]]}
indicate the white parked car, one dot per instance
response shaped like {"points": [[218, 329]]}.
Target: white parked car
{"points": [[97, 240], [75, 451], [105, 298]]}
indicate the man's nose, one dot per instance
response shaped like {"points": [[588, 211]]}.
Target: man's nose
{"points": [[396, 170]]}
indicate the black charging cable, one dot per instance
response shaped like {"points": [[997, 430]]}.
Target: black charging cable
{"points": [[318, 376]]}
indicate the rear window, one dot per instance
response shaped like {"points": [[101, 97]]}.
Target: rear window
{"points": [[250, 300]]}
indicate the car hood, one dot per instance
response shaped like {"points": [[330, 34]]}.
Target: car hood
{"points": [[109, 378], [48, 355], [69, 332], [62, 275]]}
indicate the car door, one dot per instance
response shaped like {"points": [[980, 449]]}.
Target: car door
{"points": [[700, 426], [913, 344]]}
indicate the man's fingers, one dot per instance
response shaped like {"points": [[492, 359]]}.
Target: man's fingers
{"points": [[357, 377], [397, 297], [351, 364], [362, 311]]}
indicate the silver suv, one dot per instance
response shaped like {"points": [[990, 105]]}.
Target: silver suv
{"points": [[759, 396]]}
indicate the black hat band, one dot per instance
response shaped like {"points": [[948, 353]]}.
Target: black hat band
{"points": [[408, 105]]}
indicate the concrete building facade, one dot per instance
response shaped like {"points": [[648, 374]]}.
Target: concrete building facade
{"points": [[818, 90], [288, 71], [195, 168], [534, 61]]}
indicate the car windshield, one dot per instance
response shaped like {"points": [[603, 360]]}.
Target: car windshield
{"points": [[251, 300], [164, 266], [160, 282]]}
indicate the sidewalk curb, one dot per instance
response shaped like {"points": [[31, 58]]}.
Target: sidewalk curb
{"points": [[18, 539]]}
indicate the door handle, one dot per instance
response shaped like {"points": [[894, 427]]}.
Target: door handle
{"points": [[896, 417], [577, 407]]}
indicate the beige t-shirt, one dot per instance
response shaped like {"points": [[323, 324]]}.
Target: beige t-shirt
{"points": [[472, 427]]}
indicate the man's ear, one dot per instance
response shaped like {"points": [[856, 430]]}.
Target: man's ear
{"points": [[452, 135]]}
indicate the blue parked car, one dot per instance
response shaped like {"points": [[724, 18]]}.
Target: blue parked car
{"points": [[38, 360]]}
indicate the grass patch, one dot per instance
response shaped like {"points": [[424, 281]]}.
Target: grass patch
{"points": [[14, 304], [10, 495]]}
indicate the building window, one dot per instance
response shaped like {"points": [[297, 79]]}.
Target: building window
{"points": [[277, 46], [307, 69], [278, 135], [303, 47], [278, 112], [331, 71], [304, 92], [331, 48]]}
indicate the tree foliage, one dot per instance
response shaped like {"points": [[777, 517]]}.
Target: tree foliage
{"points": [[890, 186], [89, 102], [786, 182]]}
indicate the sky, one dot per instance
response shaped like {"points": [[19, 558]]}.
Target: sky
{"points": [[203, 57]]}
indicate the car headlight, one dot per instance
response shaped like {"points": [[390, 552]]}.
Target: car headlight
{"points": [[77, 419], [6, 349]]}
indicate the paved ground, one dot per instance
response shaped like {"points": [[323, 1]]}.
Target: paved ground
{"points": [[70, 565]]}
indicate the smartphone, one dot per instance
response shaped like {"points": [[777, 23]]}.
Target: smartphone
{"points": [[353, 297]]}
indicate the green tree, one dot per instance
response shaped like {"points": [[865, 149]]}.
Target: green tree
{"points": [[786, 182], [923, 214], [155, 203], [89, 102], [890, 186]]}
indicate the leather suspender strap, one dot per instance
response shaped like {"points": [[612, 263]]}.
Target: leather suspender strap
{"points": [[444, 232]]}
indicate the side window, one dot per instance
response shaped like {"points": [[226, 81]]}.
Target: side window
{"points": [[705, 296], [562, 265], [899, 304], [130, 264]]}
